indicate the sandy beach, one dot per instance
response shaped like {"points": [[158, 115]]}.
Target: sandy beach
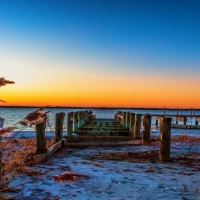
{"points": [[130, 172]]}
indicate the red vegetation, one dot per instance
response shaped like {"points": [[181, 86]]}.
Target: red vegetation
{"points": [[68, 176], [179, 138], [6, 131], [36, 117], [18, 155]]}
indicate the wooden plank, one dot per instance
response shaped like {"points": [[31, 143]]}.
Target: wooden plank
{"points": [[100, 144], [43, 157], [37, 159], [54, 148], [98, 138], [102, 126], [103, 131]]}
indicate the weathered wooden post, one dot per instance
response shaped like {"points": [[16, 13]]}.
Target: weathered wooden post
{"points": [[81, 118], [156, 122], [176, 120], [164, 111], [126, 119], [132, 123], [75, 121], [146, 129], [59, 126], [70, 124], [137, 126], [196, 121], [185, 120], [129, 121], [119, 118], [78, 118], [40, 138], [165, 139], [85, 117]]}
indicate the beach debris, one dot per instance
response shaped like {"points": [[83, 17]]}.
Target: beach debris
{"points": [[35, 117], [3, 81], [68, 176], [7, 131]]}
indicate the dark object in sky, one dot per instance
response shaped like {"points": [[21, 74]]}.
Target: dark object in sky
{"points": [[3, 81]]}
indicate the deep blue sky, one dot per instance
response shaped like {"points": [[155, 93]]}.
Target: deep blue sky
{"points": [[155, 38]]}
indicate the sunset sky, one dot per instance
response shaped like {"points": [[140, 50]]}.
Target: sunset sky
{"points": [[119, 53]]}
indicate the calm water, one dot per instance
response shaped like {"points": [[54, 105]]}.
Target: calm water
{"points": [[14, 115]]}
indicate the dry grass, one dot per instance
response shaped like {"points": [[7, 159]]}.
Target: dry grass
{"points": [[68, 176], [180, 138], [18, 155]]}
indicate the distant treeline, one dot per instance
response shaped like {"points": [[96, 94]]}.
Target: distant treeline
{"points": [[123, 108]]}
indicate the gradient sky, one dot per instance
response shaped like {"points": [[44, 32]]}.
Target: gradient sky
{"points": [[101, 53]]}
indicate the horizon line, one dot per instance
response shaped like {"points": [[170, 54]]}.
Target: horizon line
{"points": [[102, 107]]}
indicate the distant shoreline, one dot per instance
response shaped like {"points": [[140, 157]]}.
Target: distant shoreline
{"points": [[131, 108]]}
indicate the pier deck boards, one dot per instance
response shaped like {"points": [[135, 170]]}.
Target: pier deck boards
{"points": [[101, 127]]}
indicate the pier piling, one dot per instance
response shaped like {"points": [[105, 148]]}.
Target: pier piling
{"points": [[137, 126], [132, 123], [165, 139], [40, 138], [146, 129], [70, 124], [59, 126]]}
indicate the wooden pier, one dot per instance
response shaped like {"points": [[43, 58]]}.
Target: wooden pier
{"points": [[85, 130], [176, 119]]}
